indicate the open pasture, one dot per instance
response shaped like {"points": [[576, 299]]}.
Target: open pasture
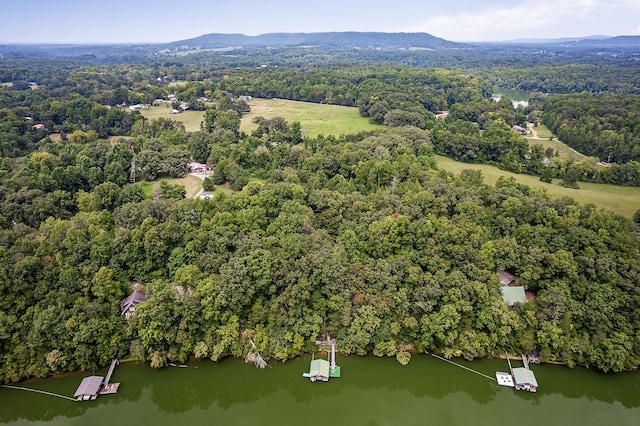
{"points": [[619, 199], [192, 185], [190, 119], [315, 119]]}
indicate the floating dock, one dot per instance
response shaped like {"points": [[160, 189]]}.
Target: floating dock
{"points": [[322, 370], [505, 379], [521, 378], [92, 386]]}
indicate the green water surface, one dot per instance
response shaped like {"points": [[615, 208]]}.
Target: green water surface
{"points": [[371, 391]]}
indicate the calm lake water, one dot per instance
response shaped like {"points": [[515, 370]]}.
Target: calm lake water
{"points": [[371, 391]]}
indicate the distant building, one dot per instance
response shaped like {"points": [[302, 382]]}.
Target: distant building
{"points": [[139, 106], [128, 305], [519, 129], [38, 126], [196, 167]]}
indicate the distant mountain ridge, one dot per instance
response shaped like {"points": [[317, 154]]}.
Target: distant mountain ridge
{"points": [[630, 40], [552, 40], [351, 39], [588, 41]]}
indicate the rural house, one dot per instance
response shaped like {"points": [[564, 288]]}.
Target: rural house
{"points": [[198, 167], [128, 305], [511, 293], [505, 277]]}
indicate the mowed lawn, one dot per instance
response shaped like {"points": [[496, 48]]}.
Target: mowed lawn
{"points": [[191, 183], [619, 199], [190, 119], [564, 151], [315, 119]]}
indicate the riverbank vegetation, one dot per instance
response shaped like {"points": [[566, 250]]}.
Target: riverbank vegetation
{"points": [[362, 236]]}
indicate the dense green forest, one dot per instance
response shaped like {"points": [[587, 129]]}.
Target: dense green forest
{"points": [[606, 126], [360, 236]]}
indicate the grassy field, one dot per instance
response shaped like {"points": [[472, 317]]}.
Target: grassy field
{"points": [[190, 119], [543, 131], [315, 119], [191, 183], [620, 199], [564, 151], [330, 119]]}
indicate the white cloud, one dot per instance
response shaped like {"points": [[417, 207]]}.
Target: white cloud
{"points": [[528, 19]]}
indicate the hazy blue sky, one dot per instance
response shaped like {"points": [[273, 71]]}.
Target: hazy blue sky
{"points": [[119, 21]]}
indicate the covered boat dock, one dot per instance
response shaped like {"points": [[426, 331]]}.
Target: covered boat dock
{"points": [[89, 388]]}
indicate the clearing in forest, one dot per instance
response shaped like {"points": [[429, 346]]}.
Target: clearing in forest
{"points": [[190, 119], [315, 119], [624, 200], [563, 150], [191, 183]]}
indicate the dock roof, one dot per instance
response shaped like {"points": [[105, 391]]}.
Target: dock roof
{"points": [[319, 367], [89, 386], [524, 376]]}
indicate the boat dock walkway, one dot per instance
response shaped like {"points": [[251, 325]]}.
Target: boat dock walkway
{"points": [[525, 361], [114, 362], [110, 388]]}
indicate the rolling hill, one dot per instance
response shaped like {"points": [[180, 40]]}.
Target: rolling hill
{"points": [[357, 40]]}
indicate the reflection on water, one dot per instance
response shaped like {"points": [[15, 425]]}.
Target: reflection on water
{"points": [[371, 391]]}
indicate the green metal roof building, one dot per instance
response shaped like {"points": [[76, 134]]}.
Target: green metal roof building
{"points": [[524, 379], [318, 370], [513, 295]]}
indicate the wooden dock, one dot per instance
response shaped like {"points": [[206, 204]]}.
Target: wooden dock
{"points": [[525, 361], [114, 362], [521, 378], [110, 388], [93, 386]]}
